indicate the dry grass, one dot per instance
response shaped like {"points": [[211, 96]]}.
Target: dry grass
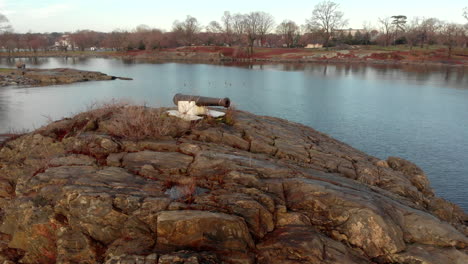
{"points": [[81, 122], [103, 110], [117, 118], [139, 122], [123, 120], [230, 117]]}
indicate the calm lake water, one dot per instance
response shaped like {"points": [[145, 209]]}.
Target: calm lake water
{"points": [[418, 113]]}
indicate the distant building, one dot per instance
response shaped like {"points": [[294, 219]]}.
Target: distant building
{"points": [[64, 42], [314, 46], [351, 31]]}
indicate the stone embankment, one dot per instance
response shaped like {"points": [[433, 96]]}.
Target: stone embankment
{"points": [[108, 187], [40, 77]]}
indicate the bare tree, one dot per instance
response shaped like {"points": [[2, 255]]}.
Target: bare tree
{"points": [[414, 32], [142, 28], [288, 30], [118, 39], [153, 39], [188, 29], [34, 41], [465, 13], [4, 24], [451, 34], [266, 22], [214, 27], [239, 27], [256, 26], [386, 27], [227, 27], [326, 17], [429, 28], [84, 39], [367, 29], [252, 25], [274, 40], [9, 41], [213, 34]]}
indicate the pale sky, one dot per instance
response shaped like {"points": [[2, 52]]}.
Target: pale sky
{"points": [[107, 15]]}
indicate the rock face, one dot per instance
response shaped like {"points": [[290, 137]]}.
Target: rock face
{"points": [[37, 77], [261, 190], [202, 230]]}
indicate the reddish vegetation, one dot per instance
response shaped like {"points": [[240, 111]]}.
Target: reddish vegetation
{"points": [[226, 51], [387, 56], [240, 52], [296, 54], [138, 123]]}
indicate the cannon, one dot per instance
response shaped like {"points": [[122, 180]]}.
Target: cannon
{"points": [[192, 107], [202, 101]]}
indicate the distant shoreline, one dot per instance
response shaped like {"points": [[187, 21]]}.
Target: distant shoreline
{"points": [[431, 57]]}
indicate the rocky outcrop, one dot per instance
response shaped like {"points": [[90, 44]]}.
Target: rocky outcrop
{"points": [[38, 77], [261, 190]]}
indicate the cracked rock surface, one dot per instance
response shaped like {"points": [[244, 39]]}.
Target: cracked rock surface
{"points": [[273, 191]]}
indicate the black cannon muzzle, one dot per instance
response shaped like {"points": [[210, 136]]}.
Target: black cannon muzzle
{"points": [[202, 101]]}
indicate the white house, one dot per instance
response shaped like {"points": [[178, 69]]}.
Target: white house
{"points": [[63, 42], [314, 46]]}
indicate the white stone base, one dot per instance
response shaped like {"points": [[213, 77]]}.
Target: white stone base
{"points": [[188, 117]]}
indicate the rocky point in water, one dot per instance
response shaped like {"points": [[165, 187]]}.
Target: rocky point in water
{"points": [[39, 77], [129, 184]]}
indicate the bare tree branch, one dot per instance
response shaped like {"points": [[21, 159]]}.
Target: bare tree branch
{"points": [[386, 27], [326, 17], [288, 30], [4, 24]]}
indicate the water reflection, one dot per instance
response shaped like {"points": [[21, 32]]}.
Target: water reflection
{"points": [[34, 62], [5, 103], [455, 77], [413, 111]]}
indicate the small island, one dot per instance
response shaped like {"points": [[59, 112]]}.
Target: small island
{"points": [[42, 77], [130, 184]]}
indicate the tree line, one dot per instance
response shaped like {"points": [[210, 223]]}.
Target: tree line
{"points": [[326, 26]]}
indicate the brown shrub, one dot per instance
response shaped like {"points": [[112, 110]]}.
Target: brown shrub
{"points": [[230, 117], [139, 122], [82, 122], [103, 110]]}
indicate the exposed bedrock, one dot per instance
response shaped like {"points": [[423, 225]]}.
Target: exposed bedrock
{"points": [[263, 190]]}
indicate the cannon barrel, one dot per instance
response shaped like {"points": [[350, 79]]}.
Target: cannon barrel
{"points": [[202, 101]]}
